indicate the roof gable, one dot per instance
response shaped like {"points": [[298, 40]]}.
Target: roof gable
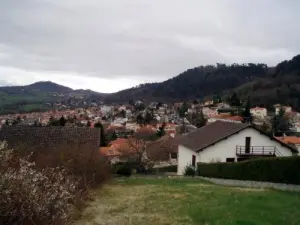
{"points": [[218, 131], [210, 134]]}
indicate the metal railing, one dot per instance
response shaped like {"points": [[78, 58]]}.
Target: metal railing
{"points": [[257, 151]]}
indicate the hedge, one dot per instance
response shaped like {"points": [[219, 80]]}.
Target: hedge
{"points": [[277, 170], [167, 169], [138, 169]]}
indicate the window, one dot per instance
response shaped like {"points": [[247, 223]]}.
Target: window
{"points": [[194, 161], [247, 144], [230, 159], [173, 155]]}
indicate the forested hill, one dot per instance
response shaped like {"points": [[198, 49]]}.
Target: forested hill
{"points": [[196, 83], [264, 84]]}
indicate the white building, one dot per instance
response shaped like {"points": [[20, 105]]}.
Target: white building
{"points": [[258, 112], [228, 142], [287, 109], [208, 112], [106, 109]]}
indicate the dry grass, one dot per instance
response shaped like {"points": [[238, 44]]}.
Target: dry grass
{"points": [[129, 205], [188, 201]]}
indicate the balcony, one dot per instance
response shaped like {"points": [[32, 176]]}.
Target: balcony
{"points": [[248, 151]]}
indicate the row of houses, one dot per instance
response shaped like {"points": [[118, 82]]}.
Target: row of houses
{"points": [[219, 141]]}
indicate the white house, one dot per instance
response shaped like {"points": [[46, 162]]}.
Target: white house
{"points": [[258, 112], [287, 109], [208, 112], [228, 142]]}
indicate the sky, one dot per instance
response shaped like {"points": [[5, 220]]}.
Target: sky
{"points": [[110, 45]]}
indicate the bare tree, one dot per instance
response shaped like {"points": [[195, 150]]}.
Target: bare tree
{"points": [[147, 153]]}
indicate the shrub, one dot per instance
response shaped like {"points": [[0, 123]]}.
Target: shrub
{"points": [[125, 170], [46, 186], [189, 171], [80, 160], [32, 196], [278, 170], [168, 169]]}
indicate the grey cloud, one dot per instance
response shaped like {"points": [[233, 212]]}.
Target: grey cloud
{"points": [[142, 38]]}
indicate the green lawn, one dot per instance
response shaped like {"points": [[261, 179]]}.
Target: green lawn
{"points": [[188, 201]]}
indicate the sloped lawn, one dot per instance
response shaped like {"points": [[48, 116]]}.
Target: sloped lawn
{"points": [[189, 201]]}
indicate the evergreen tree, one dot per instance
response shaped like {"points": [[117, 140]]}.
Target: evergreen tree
{"points": [[183, 109], [217, 99], [161, 130], [148, 118], [103, 141], [280, 123], [195, 102], [247, 114], [62, 121], [234, 100], [123, 114], [199, 119], [140, 119], [114, 136], [88, 124]]}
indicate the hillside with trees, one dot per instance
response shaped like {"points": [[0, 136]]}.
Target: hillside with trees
{"points": [[265, 85]]}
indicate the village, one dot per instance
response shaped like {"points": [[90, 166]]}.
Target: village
{"points": [[163, 125]]}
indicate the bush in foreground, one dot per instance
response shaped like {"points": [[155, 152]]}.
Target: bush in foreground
{"points": [[278, 170], [190, 171], [47, 186], [125, 170], [31, 196]]}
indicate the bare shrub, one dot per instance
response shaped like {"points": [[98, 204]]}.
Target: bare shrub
{"points": [[45, 186], [31, 196], [80, 160]]}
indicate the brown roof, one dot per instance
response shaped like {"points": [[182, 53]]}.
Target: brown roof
{"points": [[49, 137], [217, 131], [210, 134], [289, 140], [162, 147]]}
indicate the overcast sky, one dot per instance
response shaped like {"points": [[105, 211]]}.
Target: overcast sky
{"points": [[109, 45]]}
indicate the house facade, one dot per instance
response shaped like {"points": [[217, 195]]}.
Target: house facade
{"points": [[228, 142], [258, 112], [287, 109], [208, 112]]}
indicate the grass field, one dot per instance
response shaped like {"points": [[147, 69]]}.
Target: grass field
{"points": [[189, 201]]}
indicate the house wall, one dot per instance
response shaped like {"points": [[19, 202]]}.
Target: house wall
{"points": [[184, 158], [227, 148], [259, 113]]}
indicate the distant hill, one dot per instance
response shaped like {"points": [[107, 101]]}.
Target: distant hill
{"points": [[39, 96], [265, 85], [48, 86], [196, 83], [43, 86]]}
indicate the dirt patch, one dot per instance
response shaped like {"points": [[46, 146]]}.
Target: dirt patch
{"points": [[248, 189], [181, 196]]}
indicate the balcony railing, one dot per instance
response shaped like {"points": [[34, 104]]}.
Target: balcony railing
{"points": [[257, 151]]}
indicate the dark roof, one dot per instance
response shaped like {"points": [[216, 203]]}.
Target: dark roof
{"points": [[217, 131], [210, 134], [49, 137], [163, 147]]}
